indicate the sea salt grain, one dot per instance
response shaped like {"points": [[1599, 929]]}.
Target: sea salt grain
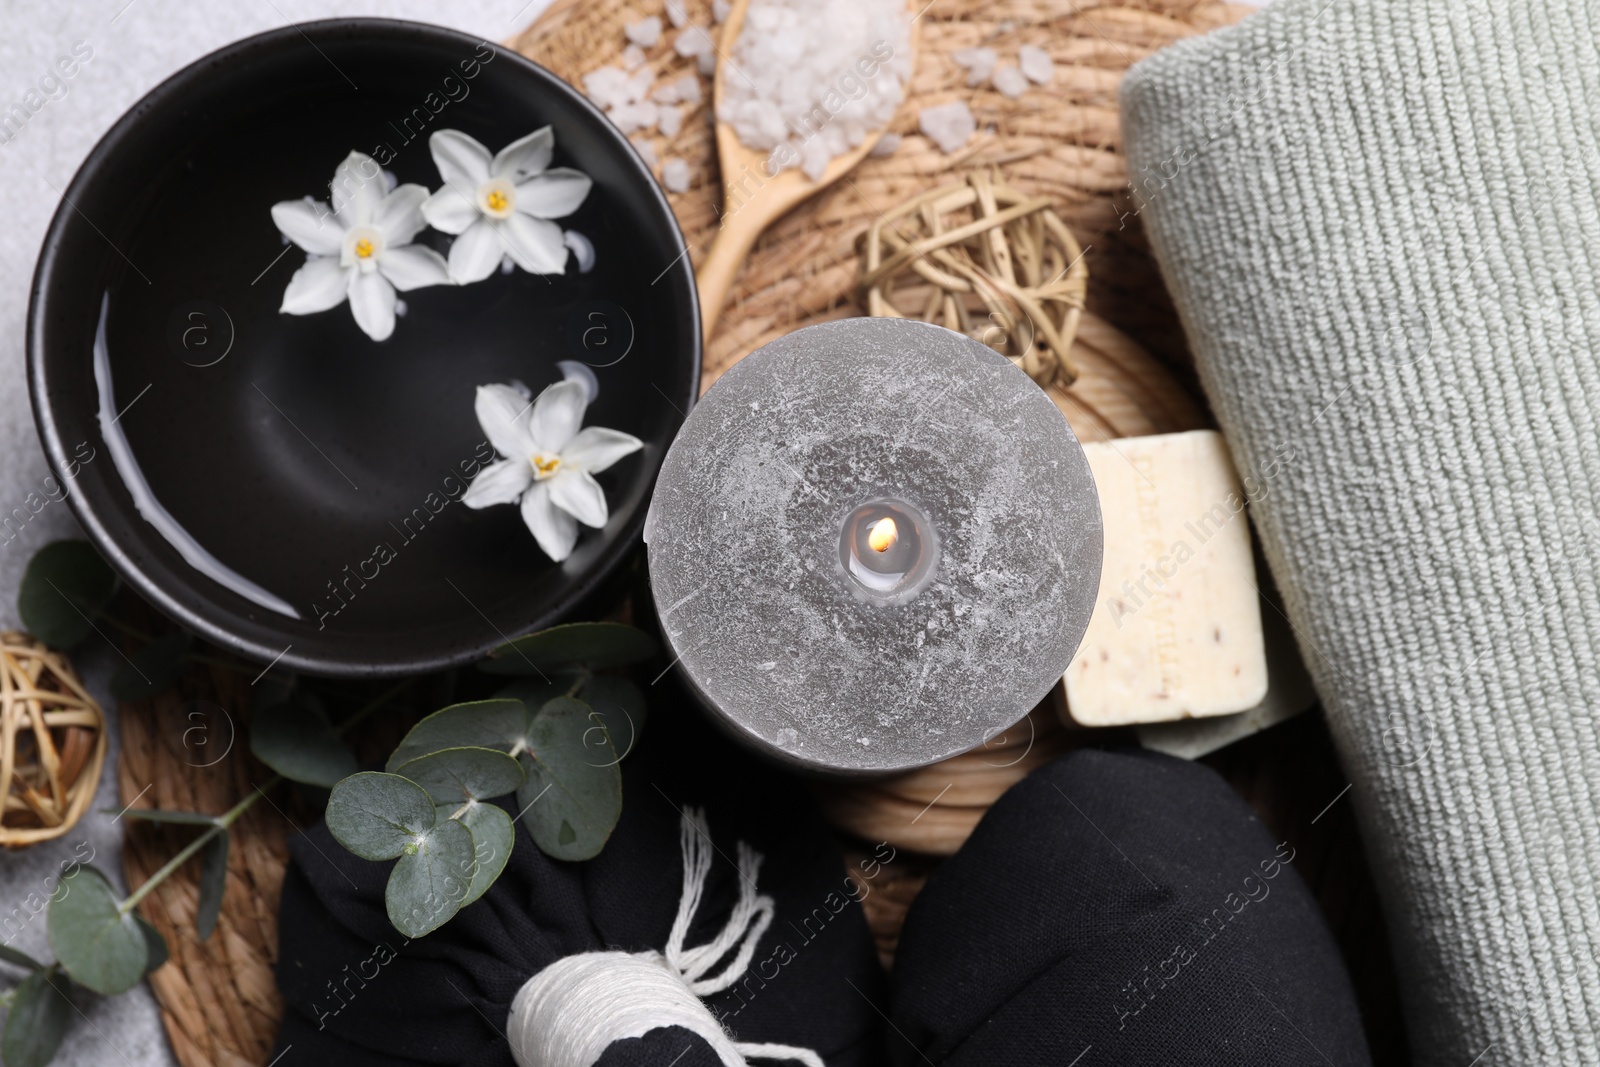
{"points": [[612, 87], [693, 41], [1036, 64], [689, 89], [1010, 81], [950, 126], [886, 145], [676, 14], [631, 117], [607, 86], [646, 33], [670, 121], [978, 61], [675, 175], [817, 77], [646, 150], [632, 57], [719, 10]]}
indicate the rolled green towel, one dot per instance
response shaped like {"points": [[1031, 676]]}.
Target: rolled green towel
{"points": [[1378, 220]]}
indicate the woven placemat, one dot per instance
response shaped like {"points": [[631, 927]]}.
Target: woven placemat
{"points": [[218, 999]]}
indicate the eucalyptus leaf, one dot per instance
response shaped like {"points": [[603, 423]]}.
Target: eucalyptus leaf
{"points": [[620, 704], [431, 881], [376, 815], [572, 797], [102, 948], [493, 834], [535, 693], [187, 818], [295, 739], [213, 884], [38, 1019], [155, 946], [578, 644], [153, 669], [66, 585], [457, 775], [498, 723]]}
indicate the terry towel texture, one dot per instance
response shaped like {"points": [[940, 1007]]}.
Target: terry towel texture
{"points": [[1378, 220]]}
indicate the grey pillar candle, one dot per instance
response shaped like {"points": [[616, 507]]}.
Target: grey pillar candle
{"points": [[827, 636]]}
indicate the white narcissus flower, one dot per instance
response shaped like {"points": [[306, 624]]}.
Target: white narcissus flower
{"points": [[502, 205], [549, 463], [361, 249]]}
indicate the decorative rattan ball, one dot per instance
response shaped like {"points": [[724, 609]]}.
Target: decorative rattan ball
{"points": [[52, 742], [986, 260]]}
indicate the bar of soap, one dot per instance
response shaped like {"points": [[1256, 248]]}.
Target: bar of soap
{"points": [[1176, 630]]}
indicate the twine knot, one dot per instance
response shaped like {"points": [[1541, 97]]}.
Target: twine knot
{"points": [[568, 1014]]}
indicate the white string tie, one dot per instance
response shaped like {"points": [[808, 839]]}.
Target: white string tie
{"points": [[568, 1014]]}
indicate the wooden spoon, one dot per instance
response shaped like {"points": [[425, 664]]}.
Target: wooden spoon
{"points": [[751, 198]]}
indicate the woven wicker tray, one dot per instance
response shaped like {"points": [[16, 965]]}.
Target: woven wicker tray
{"points": [[218, 999]]}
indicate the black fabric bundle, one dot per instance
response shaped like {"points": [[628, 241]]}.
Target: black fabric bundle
{"points": [[357, 994], [1121, 909]]}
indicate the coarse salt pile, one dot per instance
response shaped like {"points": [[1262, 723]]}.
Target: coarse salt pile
{"points": [[811, 79]]}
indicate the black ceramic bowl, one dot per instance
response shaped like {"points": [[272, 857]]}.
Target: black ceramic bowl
{"points": [[289, 448]]}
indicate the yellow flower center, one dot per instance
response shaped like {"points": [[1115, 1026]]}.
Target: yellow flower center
{"points": [[498, 198], [544, 465], [363, 247]]}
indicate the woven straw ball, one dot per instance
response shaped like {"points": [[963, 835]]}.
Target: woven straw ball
{"points": [[987, 260], [52, 742]]}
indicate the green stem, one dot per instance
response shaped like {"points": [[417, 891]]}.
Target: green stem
{"points": [[373, 705], [231, 816], [583, 679], [19, 959]]}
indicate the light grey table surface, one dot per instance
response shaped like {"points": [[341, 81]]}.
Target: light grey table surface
{"points": [[134, 46]]}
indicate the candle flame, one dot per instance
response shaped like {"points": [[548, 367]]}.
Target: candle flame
{"points": [[882, 535]]}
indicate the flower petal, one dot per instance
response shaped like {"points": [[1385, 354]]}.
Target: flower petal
{"points": [[578, 494], [596, 448], [372, 303], [317, 286], [449, 210], [557, 414], [498, 483], [476, 253], [462, 161], [358, 188], [503, 414], [413, 266], [554, 194], [524, 157], [399, 215], [554, 529], [311, 224], [535, 244]]}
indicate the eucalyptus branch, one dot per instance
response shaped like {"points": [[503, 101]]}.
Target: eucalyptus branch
{"points": [[229, 817]]}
